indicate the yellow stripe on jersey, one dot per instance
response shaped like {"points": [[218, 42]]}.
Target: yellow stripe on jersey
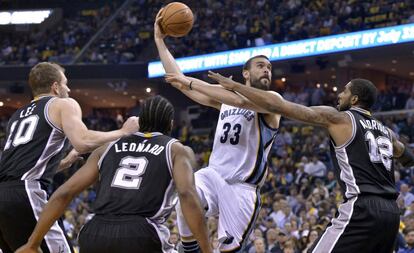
{"points": [[259, 136], [147, 135]]}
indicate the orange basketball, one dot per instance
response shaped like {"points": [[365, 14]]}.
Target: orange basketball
{"points": [[177, 19]]}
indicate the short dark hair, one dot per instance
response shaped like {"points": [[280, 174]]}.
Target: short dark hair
{"points": [[366, 92], [408, 230], [155, 115], [43, 75], [248, 64]]}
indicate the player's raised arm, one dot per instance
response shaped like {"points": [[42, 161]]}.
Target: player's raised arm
{"points": [[57, 204], [274, 103], [170, 66], [189, 201], [67, 114]]}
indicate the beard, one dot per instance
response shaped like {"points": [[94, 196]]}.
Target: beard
{"points": [[262, 83], [343, 107]]}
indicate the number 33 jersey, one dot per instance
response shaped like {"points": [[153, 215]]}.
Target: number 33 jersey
{"points": [[242, 143], [135, 177], [33, 144], [364, 165]]}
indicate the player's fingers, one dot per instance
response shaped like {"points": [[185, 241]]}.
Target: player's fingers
{"points": [[212, 75], [159, 14]]}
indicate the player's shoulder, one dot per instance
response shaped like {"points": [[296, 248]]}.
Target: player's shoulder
{"points": [[64, 103], [177, 148]]}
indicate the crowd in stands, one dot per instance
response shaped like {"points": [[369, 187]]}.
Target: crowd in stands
{"points": [[219, 25], [60, 43]]}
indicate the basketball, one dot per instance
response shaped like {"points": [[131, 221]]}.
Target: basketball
{"points": [[177, 19]]}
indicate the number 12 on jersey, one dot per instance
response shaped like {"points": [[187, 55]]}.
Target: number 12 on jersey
{"points": [[380, 149]]}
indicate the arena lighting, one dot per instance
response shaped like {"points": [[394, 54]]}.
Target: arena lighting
{"points": [[295, 49], [23, 17]]}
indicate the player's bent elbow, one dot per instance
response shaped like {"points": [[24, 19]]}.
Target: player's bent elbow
{"points": [[82, 148]]}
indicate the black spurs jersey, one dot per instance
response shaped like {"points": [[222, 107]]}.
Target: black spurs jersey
{"points": [[135, 177], [33, 145], [364, 165]]}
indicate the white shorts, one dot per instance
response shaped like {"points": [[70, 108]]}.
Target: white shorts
{"points": [[236, 205]]}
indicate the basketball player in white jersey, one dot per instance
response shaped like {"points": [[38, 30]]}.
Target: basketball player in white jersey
{"points": [[229, 187]]}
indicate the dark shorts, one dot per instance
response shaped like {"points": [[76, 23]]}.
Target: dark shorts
{"points": [[120, 234], [21, 203], [367, 223]]}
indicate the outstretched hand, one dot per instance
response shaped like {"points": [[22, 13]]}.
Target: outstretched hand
{"points": [[158, 33], [226, 82], [131, 125]]}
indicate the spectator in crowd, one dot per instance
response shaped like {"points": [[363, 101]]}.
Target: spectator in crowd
{"points": [[406, 195], [409, 238], [315, 168]]}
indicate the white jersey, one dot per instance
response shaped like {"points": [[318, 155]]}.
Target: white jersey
{"points": [[241, 145]]}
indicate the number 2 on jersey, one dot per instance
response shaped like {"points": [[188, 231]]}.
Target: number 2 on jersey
{"points": [[24, 133], [128, 175], [236, 133], [380, 149]]}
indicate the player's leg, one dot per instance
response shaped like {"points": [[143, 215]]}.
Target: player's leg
{"points": [[359, 227], [239, 206], [55, 240], [20, 207], [130, 234], [206, 181], [386, 214]]}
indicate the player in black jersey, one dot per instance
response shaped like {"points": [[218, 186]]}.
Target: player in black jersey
{"points": [[363, 150], [138, 177], [36, 134]]}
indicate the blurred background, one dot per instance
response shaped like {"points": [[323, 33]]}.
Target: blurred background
{"points": [[106, 48]]}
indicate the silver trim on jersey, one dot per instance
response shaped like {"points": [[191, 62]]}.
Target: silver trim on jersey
{"points": [[332, 234], [110, 145], [168, 155], [170, 196], [55, 238], [168, 203], [54, 145], [46, 113], [354, 127], [347, 174], [164, 235]]}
